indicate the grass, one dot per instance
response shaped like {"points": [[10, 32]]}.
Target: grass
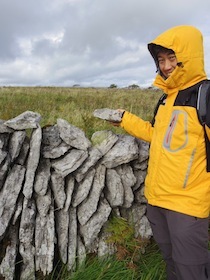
{"points": [[76, 105], [149, 266]]}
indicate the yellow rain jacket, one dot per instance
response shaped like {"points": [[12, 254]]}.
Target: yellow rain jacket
{"points": [[177, 178]]}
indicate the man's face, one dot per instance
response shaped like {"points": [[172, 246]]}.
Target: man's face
{"points": [[167, 62]]}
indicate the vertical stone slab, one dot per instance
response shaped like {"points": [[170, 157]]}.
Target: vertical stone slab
{"points": [[33, 161], [26, 238], [89, 206], [62, 223], [15, 143], [9, 196], [58, 188], [7, 267], [72, 246], [45, 241]]}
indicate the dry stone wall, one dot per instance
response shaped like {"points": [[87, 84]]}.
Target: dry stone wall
{"points": [[58, 190]]}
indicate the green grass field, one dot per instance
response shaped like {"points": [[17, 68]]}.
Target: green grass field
{"points": [[76, 105]]}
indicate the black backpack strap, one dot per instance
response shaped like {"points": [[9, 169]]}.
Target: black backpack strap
{"points": [[160, 101], [203, 110], [203, 102], [207, 152]]}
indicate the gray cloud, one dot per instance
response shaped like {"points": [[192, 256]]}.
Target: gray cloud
{"points": [[90, 42]]}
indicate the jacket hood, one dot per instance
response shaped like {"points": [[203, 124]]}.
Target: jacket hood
{"points": [[187, 43]]}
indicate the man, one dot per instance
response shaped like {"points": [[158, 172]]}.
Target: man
{"points": [[177, 185]]}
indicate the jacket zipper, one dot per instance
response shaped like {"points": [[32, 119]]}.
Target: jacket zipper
{"points": [[171, 126], [189, 168]]}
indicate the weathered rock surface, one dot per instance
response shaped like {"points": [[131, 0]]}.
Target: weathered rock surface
{"points": [[93, 158], [72, 135], [88, 207], [70, 162], [42, 176], [92, 228], [58, 187], [26, 239], [32, 162], [7, 267], [125, 150], [108, 114], [15, 143], [25, 120], [45, 242], [83, 188], [114, 188], [9, 196], [104, 140]]}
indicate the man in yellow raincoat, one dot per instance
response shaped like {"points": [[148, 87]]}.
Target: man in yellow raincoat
{"points": [[177, 185]]}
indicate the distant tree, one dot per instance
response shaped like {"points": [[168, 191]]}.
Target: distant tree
{"points": [[113, 86], [133, 86]]}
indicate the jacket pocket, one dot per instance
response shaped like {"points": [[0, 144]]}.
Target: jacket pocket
{"points": [[176, 136]]}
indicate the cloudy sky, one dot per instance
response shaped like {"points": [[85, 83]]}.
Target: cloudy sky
{"points": [[89, 42]]}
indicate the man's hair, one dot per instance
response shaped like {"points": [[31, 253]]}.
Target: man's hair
{"points": [[160, 49]]}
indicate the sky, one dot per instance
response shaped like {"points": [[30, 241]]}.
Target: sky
{"points": [[90, 43]]}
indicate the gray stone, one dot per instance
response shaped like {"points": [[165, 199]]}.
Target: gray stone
{"points": [[114, 190], [72, 135], [92, 228], [144, 229], [93, 158], [42, 176], [25, 120], [3, 155], [70, 183], [58, 187], [81, 252], [9, 196], [4, 168], [144, 150], [89, 206], [135, 215], [43, 203], [72, 245], [4, 128], [23, 152], [104, 140], [7, 267], [70, 162], [124, 151], [18, 210], [62, 228], [140, 165], [139, 195], [4, 140], [45, 242], [26, 239], [55, 152], [108, 114], [51, 136], [83, 188], [140, 178], [32, 162], [105, 248], [15, 143], [128, 180]]}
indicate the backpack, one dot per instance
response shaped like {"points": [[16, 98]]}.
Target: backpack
{"points": [[201, 101]]}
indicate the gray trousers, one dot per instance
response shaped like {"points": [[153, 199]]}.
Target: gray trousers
{"points": [[183, 242]]}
